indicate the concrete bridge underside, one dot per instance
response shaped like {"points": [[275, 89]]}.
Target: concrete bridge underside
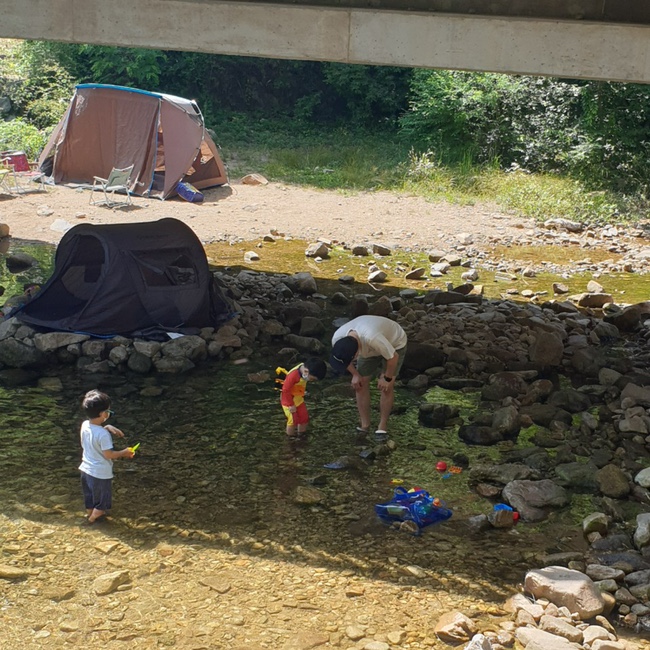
{"points": [[587, 39]]}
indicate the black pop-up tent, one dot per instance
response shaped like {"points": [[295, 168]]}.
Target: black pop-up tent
{"points": [[134, 279]]}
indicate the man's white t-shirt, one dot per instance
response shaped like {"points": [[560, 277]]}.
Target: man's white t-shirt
{"points": [[378, 336], [94, 441]]}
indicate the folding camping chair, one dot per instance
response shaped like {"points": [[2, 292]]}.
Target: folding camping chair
{"points": [[118, 181], [22, 172], [5, 173]]}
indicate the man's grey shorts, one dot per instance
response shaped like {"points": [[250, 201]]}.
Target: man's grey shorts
{"points": [[368, 366]]}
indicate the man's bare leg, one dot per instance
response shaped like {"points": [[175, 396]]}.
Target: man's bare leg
{"points": [[386, 400], [363, 402]]}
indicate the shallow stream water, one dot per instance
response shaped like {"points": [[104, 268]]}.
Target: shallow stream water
{"points": [[214, 459], [216, 468]]}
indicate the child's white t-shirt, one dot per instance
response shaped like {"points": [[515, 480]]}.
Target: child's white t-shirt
{"points": [[94, 441]]}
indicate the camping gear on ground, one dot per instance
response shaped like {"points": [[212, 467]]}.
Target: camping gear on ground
{"points": [[118, 181], [162, 136], [188, 192], [22, 172], [413, 505], [144, 279]]}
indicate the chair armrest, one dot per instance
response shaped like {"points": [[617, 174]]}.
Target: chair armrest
{"points": [[100, 180]]}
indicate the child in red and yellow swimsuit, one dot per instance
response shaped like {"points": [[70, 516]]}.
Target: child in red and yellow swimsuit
{"points": [[293, 393]]}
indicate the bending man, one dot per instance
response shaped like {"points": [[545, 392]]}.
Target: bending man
{"points": [[364, 346]]}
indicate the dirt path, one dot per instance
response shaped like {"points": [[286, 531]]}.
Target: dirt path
{"points": [[246, 212]]}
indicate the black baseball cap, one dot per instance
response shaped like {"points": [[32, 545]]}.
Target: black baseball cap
{"points": [[343, 352]]}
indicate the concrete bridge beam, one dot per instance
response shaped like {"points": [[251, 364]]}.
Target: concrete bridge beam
{"points": [[614, 51]]}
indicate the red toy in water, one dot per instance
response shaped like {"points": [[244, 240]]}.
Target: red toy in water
{"points": [[441, 466]]}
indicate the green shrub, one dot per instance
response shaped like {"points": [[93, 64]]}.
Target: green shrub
{"points": [[20, 136], [44, 112], [494, 117], [44, 87]]}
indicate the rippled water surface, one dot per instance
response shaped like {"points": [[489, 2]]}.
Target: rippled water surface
{"points": [[214, 465], [214, 459]]}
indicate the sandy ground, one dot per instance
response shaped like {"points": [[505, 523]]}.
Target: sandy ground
{"points": [[247, 212]]}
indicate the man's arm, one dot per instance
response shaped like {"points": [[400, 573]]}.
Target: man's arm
{"points": [[391, 367]]}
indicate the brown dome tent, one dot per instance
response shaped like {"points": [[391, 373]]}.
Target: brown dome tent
{"points": [[108, 127]]}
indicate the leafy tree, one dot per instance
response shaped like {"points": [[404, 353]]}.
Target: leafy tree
{"points": [[135, 67], [527, 121], [43, 88], [223, 84], [616, 127], [458, 113], [367, 94]]}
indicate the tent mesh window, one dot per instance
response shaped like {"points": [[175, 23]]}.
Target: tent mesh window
{"points": [[85, 268], [169, 268]]}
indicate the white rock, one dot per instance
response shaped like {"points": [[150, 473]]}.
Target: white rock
{"points": [[643, 478], [568, 588]]}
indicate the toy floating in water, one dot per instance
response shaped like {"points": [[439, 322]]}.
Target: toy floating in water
{"points": [[415, 505], [396, 481], [135, 448], [447, 470]]}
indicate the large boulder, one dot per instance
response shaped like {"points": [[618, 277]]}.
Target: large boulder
{"points": [[50, 341], [16, 354], [566, 588], [297, 310], [534, 499], [504, 384], [629, 318], [422, 356], [547, 349]]}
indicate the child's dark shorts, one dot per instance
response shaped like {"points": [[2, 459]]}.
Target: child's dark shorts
{"points": [[97, 492]]}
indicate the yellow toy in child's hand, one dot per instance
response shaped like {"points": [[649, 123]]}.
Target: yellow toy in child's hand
{"points": [[134, 448]]}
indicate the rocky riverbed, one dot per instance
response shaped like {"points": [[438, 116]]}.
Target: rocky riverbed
{"points": [[225, 537]]}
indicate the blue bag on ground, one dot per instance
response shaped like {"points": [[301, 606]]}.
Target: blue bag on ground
{"points": [[418, 506], [188, 192]]}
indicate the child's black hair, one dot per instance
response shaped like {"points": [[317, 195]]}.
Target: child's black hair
{"points": [[95, 402], [317, 368]]}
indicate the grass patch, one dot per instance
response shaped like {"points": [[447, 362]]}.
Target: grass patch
{"points": [[546, 196], [340, 158]]}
